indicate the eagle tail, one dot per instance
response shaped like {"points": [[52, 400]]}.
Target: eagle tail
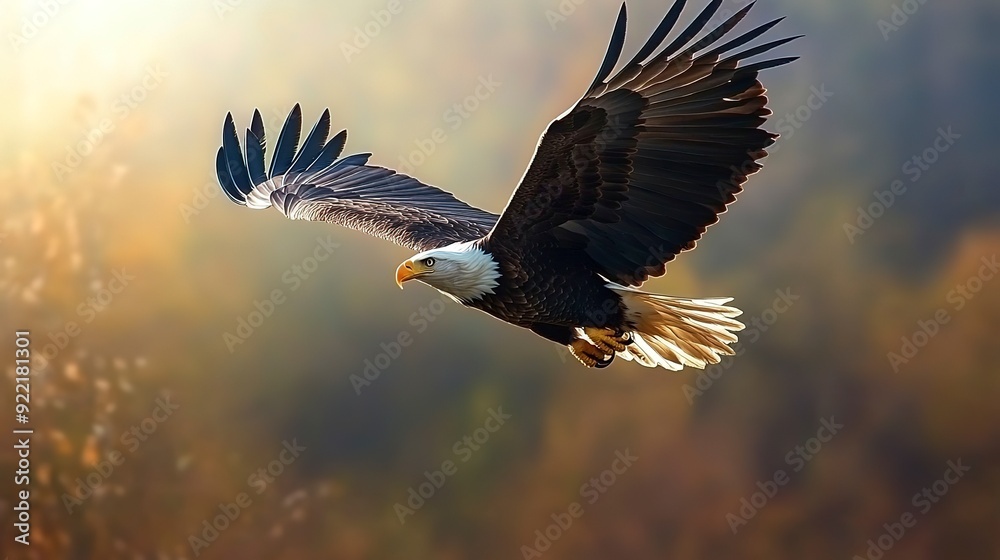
{"points": [[674, 332]]}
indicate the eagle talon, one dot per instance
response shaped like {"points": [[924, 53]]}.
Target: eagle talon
{"points": [[588, 354], [607, 340], [601, 364]]}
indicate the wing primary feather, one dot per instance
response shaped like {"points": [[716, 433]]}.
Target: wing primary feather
{"points": [[692, 30], [329, 154], [288, 140], [313, 145], [222, 172], [759, 49], [721, 30], [257, 126], [354, 159], [256, 149], [234, 156], [614, 48], [764, 65], [659, 34], [745, 38], [255, 157]]}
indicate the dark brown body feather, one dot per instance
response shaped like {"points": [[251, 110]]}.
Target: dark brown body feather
{"points": [[550, 289]]}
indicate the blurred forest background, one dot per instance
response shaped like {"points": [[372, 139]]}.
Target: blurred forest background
{"points": [[112, 115]]}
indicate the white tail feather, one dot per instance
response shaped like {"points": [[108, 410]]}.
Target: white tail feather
{"points": [[674, 332]]}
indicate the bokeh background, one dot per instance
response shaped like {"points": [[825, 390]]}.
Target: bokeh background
{"points": [[137, 198]]}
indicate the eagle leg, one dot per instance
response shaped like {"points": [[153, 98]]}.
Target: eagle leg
{"points": [[588, 354], [608, 341]]}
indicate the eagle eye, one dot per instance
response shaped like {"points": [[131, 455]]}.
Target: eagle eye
{"points": [[429, 261]]}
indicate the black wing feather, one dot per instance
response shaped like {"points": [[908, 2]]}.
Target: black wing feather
{"points": [[759, 49], [650, 157], [255, 157], [234, 156], [255, 149], [692, 30], [659, 34], [257, 127], [288, 140], [721, 30], [330, 152], [745, 38], [614, 48], [313, 145], [226, 179]]}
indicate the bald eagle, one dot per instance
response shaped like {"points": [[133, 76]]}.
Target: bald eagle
{"points": [[619, 185]]}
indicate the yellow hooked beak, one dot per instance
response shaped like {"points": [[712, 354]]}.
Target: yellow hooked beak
{"points": [[410, 270]]}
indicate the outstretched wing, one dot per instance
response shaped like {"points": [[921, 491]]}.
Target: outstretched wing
{"points": [[649, 158], [311, 183]]}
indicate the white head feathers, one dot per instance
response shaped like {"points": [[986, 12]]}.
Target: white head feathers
{"points": [[461, 270]]}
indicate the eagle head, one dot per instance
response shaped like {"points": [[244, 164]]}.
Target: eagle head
{"points": [[463, 271]]}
